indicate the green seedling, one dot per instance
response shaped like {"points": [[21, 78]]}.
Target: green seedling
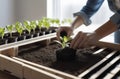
{"points": [[10, 29], [46, 22], [55, 22], [40, 24], [33, 25], [2, 32], [64, 41], [27, 26], [19, 28]]}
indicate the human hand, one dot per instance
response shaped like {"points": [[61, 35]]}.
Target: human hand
{"points": [[64, 31], [84, 40]]}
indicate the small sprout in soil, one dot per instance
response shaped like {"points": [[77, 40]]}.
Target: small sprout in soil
{"points": [[66, 53], [40, 24], [55, 22], [64, 41], [33, 25], [2, 32], [10, 29], [19, 28], [27, 26], [46, 22]]}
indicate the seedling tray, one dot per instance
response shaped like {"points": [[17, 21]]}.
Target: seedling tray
{"points": [[99, 51], [19, 69], [106, 67]]}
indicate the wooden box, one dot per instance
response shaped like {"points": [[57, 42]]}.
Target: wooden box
{"points": [[103, 46], [29, 70]]}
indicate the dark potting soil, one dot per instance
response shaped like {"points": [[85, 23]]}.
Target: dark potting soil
{"points": [[46, 56], [3, 41]]}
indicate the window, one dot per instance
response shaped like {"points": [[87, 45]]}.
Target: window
{"points": [[65, 8]]}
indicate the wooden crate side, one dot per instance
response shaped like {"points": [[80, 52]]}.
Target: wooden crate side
{"points": [[8, 52], [35, 73], [11, 66], [52, 39], [50, 70], [45, 42], [97, 64]]}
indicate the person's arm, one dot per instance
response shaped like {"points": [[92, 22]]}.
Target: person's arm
{"points": [[109, 27], [84, 40], [84, 15], [105, 29], [77, 22]]}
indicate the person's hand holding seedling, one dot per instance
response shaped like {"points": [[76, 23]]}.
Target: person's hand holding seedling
{"points": [[83, 39], [65, 53], [65, 30]]}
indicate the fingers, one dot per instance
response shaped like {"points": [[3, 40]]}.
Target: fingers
{"points": [[80, 41], [83, 42], [67, 32], [70, 32], [77, 40], [59, 32]]}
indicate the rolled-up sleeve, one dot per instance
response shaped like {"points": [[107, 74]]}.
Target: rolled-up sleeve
{"points": [[89, 10], [116, 19]]}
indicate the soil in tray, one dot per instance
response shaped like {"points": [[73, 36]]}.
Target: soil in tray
{"points": [[46, 56]]}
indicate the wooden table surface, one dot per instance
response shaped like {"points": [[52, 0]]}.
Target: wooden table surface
{"points": [[4, 75]]}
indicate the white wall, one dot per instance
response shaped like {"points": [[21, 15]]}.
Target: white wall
{"points": [[20, 10], [68, 7], [6, 12], [30, 9]]}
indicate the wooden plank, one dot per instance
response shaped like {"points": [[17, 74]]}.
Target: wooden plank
{"points": [[21, 70], [53, 71], [31, 72], [108, 76], [45, 42], [97, 64], [27, 41], [4, 75], [11, 66], [9, 52], [115, 71], [104, 68], [100, 50], [118, 65]]}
